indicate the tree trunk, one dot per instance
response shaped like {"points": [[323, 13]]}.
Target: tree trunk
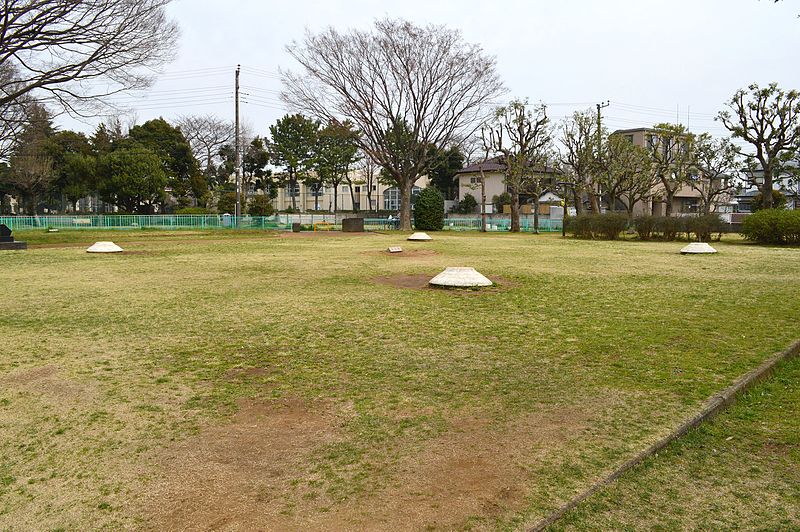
{"points": [[578, 203], [405, 204], [369, 198], [293, 186], [335, 198], [536, 214], [668, 201], [766, 191], [595, 202], [483, 202], [515, 211], [353, 197]]}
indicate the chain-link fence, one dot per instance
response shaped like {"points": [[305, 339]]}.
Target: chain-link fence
{"points": [[276, 222]]}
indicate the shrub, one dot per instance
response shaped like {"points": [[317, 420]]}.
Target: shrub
{"points": [[499, 201], [429, 210], [260, 206], [582, 225], [192, 210], [607, 226], [772, 226], [610, 225], [669, 227], [645, 226], [227, 203], [704, 226], [467, 205]]}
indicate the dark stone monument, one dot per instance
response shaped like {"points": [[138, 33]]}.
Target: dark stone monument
{"points": [[353, 225], [7, 241], [296, 226]]}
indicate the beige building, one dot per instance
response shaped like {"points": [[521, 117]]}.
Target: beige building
{"points": [[365, 196], [686, 199], [469, 182]]}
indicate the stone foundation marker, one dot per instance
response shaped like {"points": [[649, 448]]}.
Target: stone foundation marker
{"points": [[419, 237], [697, 248], [453, 277], [104, 247]]}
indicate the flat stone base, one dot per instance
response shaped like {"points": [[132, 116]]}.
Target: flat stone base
{"points": [[13, 245], [453, 277], [698, 248]]}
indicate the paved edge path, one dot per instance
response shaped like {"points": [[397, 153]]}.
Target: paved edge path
{"points": [[710, 409]]}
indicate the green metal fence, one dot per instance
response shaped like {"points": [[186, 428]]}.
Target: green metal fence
{"points": [[276, 222], [165, 221], [526, 224]]}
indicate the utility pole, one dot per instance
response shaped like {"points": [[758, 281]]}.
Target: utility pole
{"points": [[237, 159], [595, 201]]}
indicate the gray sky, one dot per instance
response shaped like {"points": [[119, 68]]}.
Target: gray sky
{"points": [[651, 59]]}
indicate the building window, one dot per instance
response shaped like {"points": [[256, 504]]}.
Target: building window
{"points": [[358, 190], [474, 180], [293, 191], [317, 189], [391, 198], [689, 205], [374, 188]]}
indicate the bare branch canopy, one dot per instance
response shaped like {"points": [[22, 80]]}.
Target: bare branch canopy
{"points": [[404, 88], [74, 53]]}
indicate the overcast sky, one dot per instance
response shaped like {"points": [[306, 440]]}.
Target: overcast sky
{"points": [[655, 61]]}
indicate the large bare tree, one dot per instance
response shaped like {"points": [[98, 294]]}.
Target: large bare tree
{"points": [[73, 54], [671, 149], [578, 155], [425, 82], [768, 118], [522, 137], [627, 173], [206, 134], [717, 164]]}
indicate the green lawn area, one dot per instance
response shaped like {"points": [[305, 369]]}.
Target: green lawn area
{"points": [[219, 379], [740, 472]]}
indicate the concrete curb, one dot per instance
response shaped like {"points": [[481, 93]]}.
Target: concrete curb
{"points": [[711, 408]]}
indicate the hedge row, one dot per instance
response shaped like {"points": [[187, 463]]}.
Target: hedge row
{"points": [[772, 226], [609, 226]]}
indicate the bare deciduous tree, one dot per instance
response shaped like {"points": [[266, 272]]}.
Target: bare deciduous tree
{"points": [[717, 164], [579, 154], [627, 175], [206, 134], [671, 149], [522, 137], [75, 53], [425, 81], [769, 119]]}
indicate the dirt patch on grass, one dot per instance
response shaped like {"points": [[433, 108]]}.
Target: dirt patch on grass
{"points": [[27, 376], [235, 475], [415, 281], [478, 469], [243, 475], [312, 234], [408, 253], [48, 384]]}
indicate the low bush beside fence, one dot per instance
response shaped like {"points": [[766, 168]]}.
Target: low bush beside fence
{"points": [[773, 226], [609, 226]]}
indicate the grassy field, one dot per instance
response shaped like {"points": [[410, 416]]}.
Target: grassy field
{"points": [[308, 381], [740, 472]]}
